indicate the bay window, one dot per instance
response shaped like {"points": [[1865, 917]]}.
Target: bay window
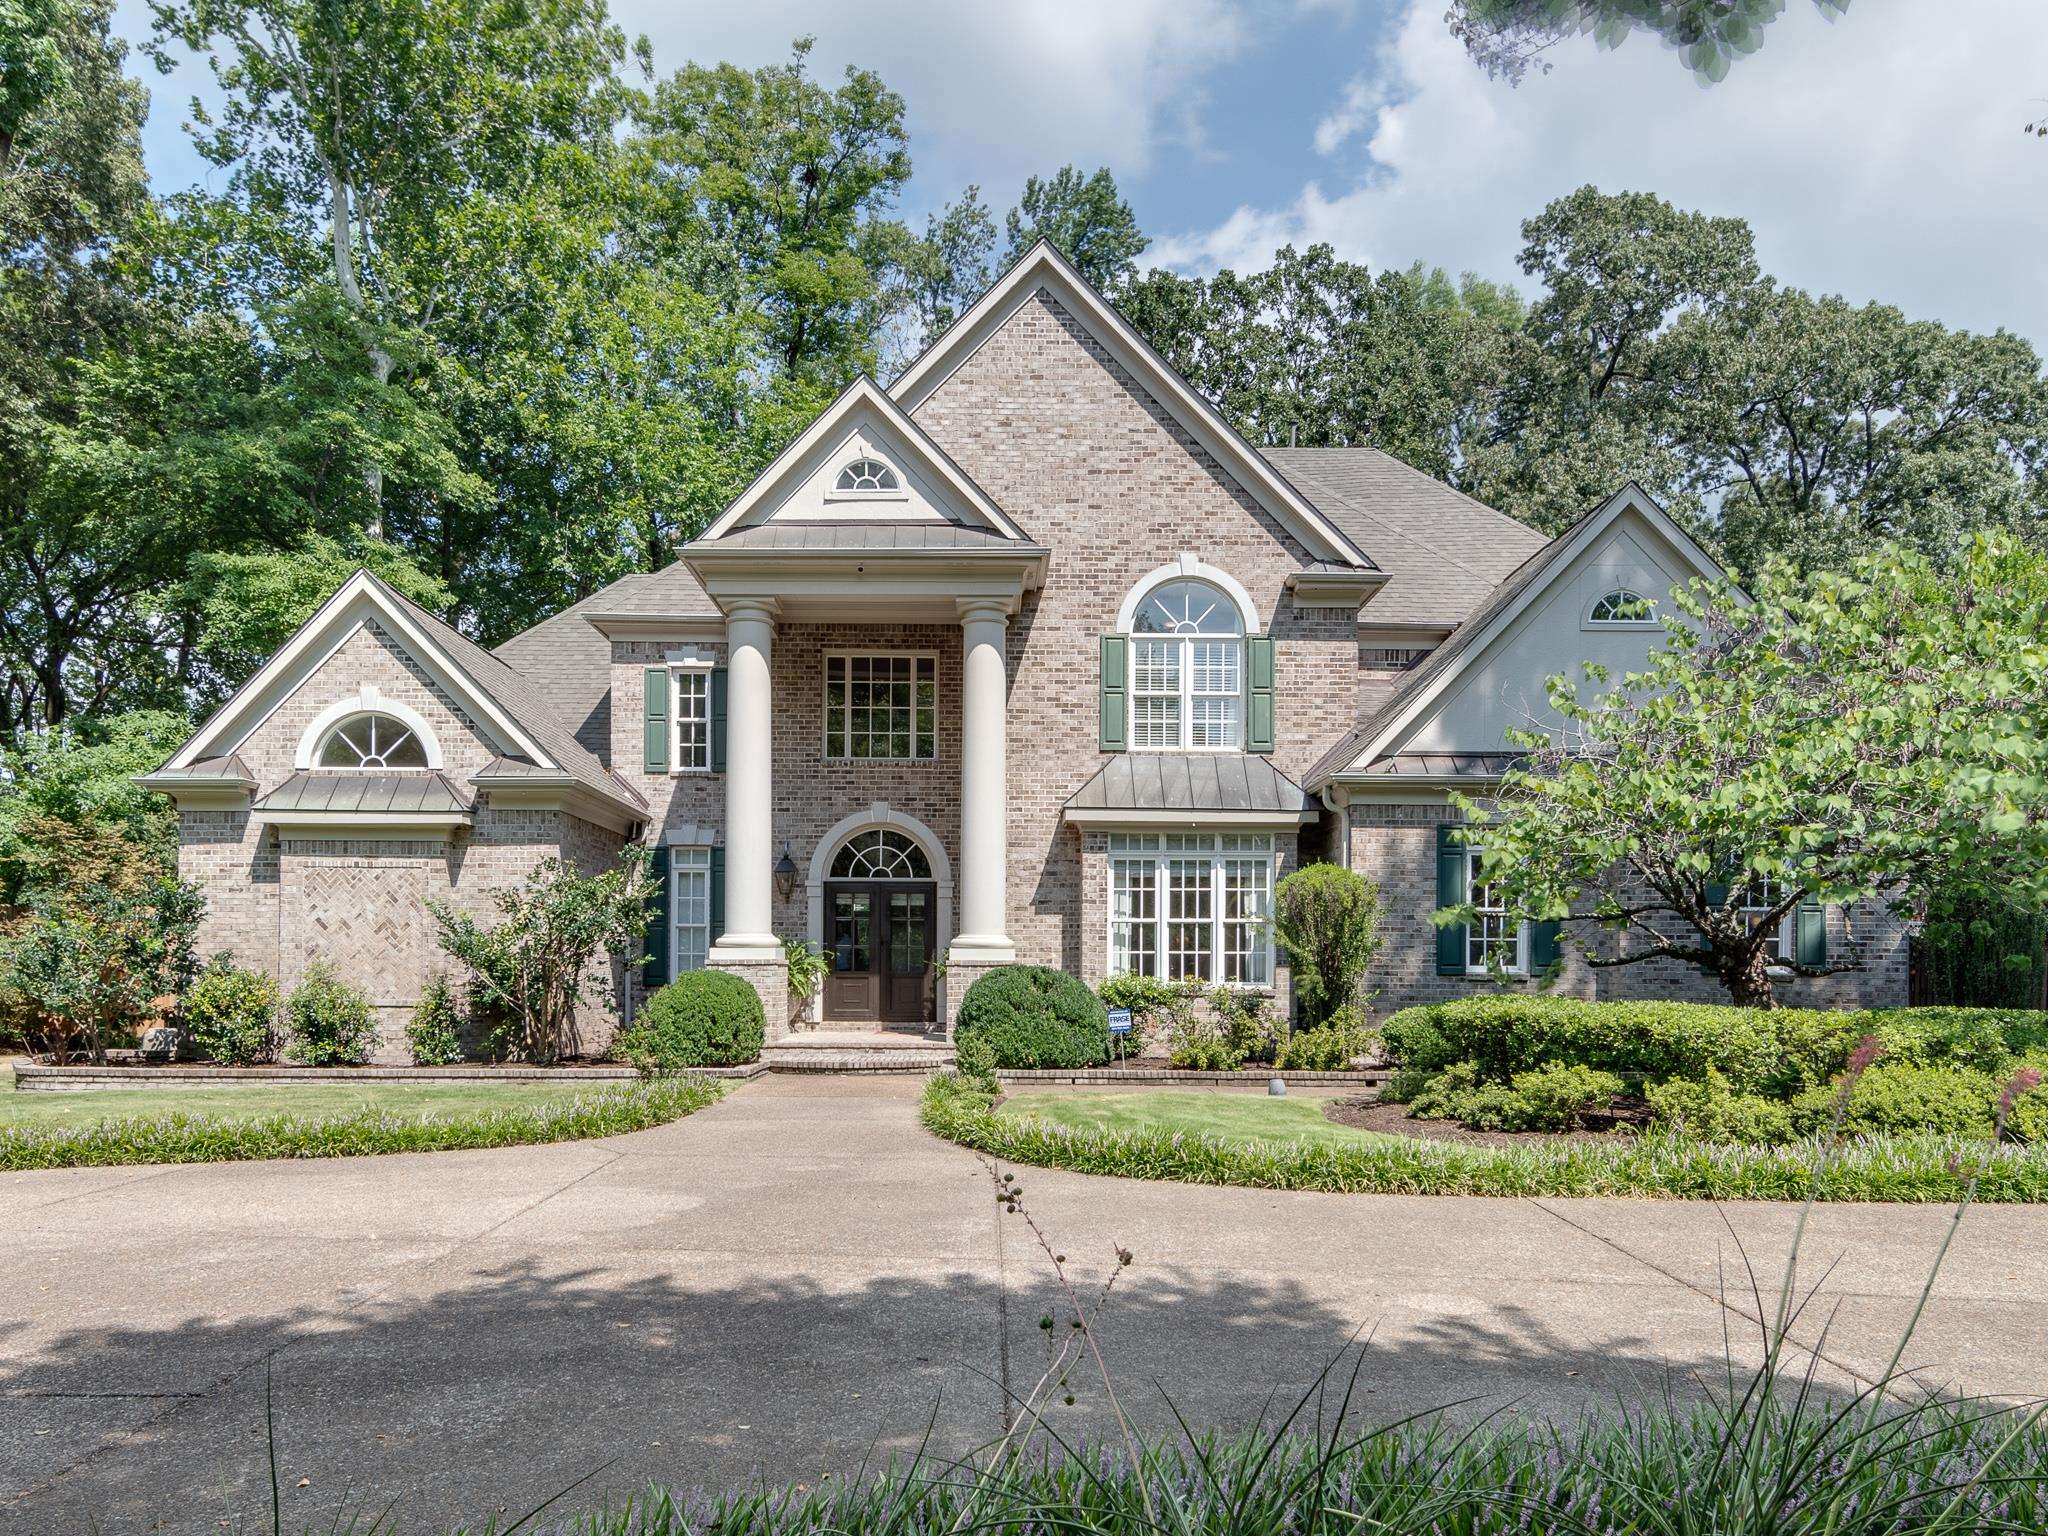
{"points": [[1191, 907]]}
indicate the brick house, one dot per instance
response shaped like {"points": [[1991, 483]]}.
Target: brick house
{"points": [[1030, 656]]}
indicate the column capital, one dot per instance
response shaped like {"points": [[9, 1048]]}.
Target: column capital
{"points": [[740, 609], [984, 609]]}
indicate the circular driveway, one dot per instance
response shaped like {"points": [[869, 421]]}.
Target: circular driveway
{"points": [[801, 1275]]}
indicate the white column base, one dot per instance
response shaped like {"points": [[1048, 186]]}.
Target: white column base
{"points": [[744, 948], [981, 949]]}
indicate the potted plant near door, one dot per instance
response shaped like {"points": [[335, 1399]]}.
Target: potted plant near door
{"points": [[806, 965]]}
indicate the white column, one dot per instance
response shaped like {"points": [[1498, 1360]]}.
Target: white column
{"points": [[984, 787], [749, 786]]}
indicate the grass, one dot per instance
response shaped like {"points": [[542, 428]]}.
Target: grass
{"points": [[1233, 1117], [1914, 1169], [342, 1121]]}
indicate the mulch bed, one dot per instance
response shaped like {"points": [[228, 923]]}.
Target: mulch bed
{"points": [[1369, 1114]]}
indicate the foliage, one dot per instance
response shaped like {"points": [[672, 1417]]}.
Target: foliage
{"points": [[974, 1058], [1712, 1111], [1898, 1097], [1908, 1169], [182, 1138], [1844, 737], [231, 1014], [1507, 1034], [1507, 37], [701, 1019], [1085, 217], [1327, 919], [1032, 1016], [1200, 1044], [1330, 1047], [1982, 950], [327, 1021], [89, 964], [76, 782], [534, 963], [1552, 1098], [1157, 1006], [434, 1033], [808, 968]]}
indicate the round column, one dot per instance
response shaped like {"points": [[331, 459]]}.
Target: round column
{"points": [[984, 786], [749, 786]]}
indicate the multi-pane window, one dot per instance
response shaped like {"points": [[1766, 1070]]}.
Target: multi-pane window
{"points": [[1495, 939], [689, 908], [1622, 606], [1760, 898], [1187, 669], [882, 707], [692, 688], [372, 741], [1191, 906]]}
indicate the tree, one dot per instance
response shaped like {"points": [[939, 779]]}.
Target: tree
{"points": [[949, 268], [1327, 919], [1845, 737], [82, 778], [1086, 217], [1507, 37]]}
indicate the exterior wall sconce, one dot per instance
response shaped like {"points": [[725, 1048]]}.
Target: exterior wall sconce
{"points": [[785, 874]]}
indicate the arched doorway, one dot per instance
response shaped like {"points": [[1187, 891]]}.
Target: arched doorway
{"points": [[881, 899]]}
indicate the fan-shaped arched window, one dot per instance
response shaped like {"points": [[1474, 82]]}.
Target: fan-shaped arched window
{"points": [[1187, 668], [1622, 606], [372, 740], [866, 476], [881, 855]]}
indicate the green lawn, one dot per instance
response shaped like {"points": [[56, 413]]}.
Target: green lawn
{"points": [[424, 1101], [1226, 1116]]}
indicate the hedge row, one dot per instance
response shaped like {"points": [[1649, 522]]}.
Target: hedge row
{"points": [[182, 1138], [1909, 1169]]}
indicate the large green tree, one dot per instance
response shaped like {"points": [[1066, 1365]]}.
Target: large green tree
{"points": [[1086, 217], [1863, 735]]}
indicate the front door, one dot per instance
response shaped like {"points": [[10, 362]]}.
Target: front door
{"points": [[879, 937]]}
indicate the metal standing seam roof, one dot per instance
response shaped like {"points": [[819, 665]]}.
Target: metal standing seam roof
{"points": [[1195, 782], [908, 537], [367, 793]]}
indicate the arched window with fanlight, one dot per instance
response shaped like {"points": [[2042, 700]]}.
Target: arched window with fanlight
{"points": [[1623, 605], [1187, 669], [867, 476], [881, 854], [371, 740]]}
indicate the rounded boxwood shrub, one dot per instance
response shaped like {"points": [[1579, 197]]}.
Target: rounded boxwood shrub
{"points": [[1902, 1099], [329, 1022], [1710, 1111], [1033, 1016], [231, 1014], [701, 1019]]}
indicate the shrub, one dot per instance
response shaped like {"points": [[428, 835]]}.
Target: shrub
{"points": [[1332, 1048], [1558, 1098], [1981, 950], [1712, 1111], [2029, 1118], [701, 1019], [1554, 1098], [1405, 1085], [1509, 1034], [1900, 1097], [975, 1059], [1248, 1024], [1327, 919], [231, 1014], [434, 1032], [1438, 1097], [328, 1021], [1032, 1016], [1200, 1045], [1156, 1006]]}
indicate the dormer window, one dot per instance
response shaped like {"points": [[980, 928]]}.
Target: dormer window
{"points": [[867, 477], [1623, 605], [374, 741]]}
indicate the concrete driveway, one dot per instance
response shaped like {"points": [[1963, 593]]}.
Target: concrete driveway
{"points": [[800, 1276]]}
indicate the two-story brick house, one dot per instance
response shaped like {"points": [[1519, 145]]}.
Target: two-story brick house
{"points": [[1030, 656]]}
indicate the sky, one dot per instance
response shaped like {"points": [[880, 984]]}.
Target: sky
{"points": [[1878, 155]]}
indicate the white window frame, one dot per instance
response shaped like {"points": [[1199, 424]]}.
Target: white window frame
{"points": [[1760, 896], [1181, 647], [898, 492], [1648, 621], [694, 861], [1157, 854], [699, 673], [825, 703], [1475, 931]]}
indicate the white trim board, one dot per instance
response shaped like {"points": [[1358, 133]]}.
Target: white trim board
{"points": [[1043, 267]]}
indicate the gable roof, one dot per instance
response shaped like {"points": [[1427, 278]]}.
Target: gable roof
{"points": [[1359, 746], [1444, 553], [862, 399], [511, 708], [1044, 268]]}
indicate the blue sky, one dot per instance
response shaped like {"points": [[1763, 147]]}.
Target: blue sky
{"points": [[1879, 156]]}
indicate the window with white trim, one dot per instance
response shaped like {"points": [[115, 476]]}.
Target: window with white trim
{"points": [[1494, 938], [1187, 670], [373, 741], [1191, 906], [689, 909], [1623, 605], [882, 707], [867, 476], [692, 689], [1758, 899]]}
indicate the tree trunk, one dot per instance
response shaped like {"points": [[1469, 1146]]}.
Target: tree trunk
{"points": [[1748, 979], [341, 229]]}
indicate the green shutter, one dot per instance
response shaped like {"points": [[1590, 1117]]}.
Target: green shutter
{"points": [[718, 687], [717, 894], [1543, 947], [1450, 892], [1116, 710], [1716, 895], [654, 693], [655, 971], [1258, 704], [1810, 934]]}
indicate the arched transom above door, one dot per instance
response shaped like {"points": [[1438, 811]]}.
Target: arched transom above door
{"points": [[881, 853]]}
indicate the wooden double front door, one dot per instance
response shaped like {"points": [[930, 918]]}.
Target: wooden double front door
{"points": [[879, 938]]}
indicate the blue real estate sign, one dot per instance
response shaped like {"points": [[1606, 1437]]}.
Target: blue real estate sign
{"points": [[1119, 1021]]}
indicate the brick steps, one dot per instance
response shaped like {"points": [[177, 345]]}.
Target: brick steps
{"points": [[838, 1050]]}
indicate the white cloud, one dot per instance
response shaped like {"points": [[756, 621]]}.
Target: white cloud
{"points": [[1878, 156]]}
